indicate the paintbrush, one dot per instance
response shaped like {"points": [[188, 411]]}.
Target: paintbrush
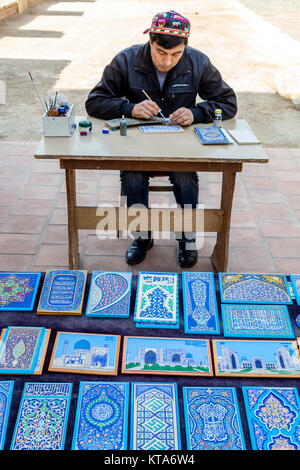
{"points": [[37, 92], [167, 120]]}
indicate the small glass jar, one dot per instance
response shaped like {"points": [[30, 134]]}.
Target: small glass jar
{"points": [[84, 127]]}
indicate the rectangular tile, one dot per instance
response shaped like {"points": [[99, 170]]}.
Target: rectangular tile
{"points": [[166, 356], [48, 405], [154, 417], [85, 353], [101, 421], [62, 292], [212, 419], [256, 358], [260, 321], [200, 303], [258, 288], [6, 393], [273, 416], [18, 290], [157, 297]]}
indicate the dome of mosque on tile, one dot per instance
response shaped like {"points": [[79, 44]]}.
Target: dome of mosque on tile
{"points": [[82, 344]]}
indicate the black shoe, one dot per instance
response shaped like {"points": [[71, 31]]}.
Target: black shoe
{"points": [[187, 254], [136, 253]]}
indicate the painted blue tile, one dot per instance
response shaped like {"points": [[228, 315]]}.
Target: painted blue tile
{"points": [[18, 290], [101, 416], [109, 294], [199, 303], [273, 416], [212, 419]]}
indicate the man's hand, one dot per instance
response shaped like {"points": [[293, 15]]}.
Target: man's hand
{"points": [[182, 116], [145, 110]]}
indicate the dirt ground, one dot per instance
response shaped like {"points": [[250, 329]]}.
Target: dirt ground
{"points": [[65, 45]]}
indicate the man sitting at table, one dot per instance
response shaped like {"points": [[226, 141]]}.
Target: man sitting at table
{"points": [[172, 74]]}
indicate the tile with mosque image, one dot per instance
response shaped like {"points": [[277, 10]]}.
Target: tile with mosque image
{"points": [[254, 288], [167, 356], [85, 353], [256, 358], [273, 415]]}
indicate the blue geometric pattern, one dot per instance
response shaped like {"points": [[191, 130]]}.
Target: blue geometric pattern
{"points": [[254, 288], [109, 294], [19, 349], [273, 416], [212, 419], [62, 292], [157, 298], [295, 281], [155, 424], [6, 391], [43, 416], [101, 417], [18, 291], [199, 303], [260, 321]]}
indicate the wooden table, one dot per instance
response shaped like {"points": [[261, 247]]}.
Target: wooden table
{"points": [[160, 153]]}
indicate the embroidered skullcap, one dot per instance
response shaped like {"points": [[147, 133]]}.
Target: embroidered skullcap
{"points": [[171, 23]]}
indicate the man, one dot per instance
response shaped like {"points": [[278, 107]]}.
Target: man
{"points": [[172, 74]]}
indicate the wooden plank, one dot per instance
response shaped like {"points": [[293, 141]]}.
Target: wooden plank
{"points": [[72, 229], [123, 218], [151, 165]]}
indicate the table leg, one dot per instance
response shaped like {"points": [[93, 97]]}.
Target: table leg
{"points": [[72, 229], [219, 257]]}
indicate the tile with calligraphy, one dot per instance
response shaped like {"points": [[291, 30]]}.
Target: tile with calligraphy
{"points": [[101, 421], [260, 321], [212, 419], [62, 293], [273, 416]]}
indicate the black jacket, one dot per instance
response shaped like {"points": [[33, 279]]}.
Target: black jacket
{"points": [[132, 71]]}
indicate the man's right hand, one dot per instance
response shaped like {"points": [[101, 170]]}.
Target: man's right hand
{"points": [[145, 110]]}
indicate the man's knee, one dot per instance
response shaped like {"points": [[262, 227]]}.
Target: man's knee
{"points": [[133, 180]]}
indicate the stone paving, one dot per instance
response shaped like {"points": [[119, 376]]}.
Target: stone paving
{"points": [[265, 227]]}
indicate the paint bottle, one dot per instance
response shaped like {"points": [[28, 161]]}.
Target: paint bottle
{"points": [[85, 127], [123, 126], [218, 118]]}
